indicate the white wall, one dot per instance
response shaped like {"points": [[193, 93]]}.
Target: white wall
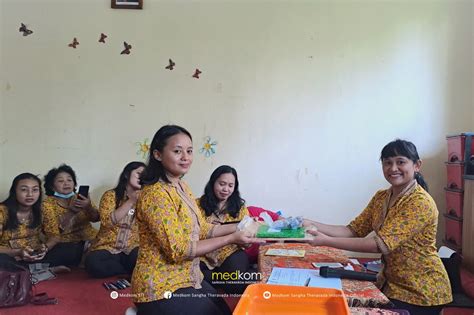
{"points": [[301, 96], [2, 86]]}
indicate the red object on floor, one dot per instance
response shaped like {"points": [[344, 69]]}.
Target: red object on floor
{"points": [[77, 294], [456, 311]]}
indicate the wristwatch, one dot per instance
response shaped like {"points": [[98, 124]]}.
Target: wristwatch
{"points": [[131, 212]]}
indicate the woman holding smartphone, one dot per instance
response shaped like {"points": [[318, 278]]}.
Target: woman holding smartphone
{"points": [[67, 217], [20, 222]]}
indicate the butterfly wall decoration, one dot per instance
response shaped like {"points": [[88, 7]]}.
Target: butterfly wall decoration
{"points": [[102, 38], [197, 73], [171, 65], [126, 51], [74, 43], [25, 30]]}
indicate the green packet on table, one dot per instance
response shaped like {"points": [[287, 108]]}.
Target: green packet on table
{"points": [[284, 233]]}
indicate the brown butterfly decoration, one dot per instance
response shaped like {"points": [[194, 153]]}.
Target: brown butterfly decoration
{"points": [[74, 43], [102, 38], [171, 65], [197, 73], [126, 51], [25, 30]]}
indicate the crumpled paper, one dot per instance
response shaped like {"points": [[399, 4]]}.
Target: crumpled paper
{"points": [[249, 225], [285, 223]]}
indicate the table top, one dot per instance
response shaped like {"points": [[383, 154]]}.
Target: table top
{"points": [[358, 293]]}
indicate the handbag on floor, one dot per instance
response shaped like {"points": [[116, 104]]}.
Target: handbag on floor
{"points": [[16, 287]]}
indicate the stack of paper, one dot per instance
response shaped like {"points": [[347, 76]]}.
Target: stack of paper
{"points": [[286, 252], [302, 277]]}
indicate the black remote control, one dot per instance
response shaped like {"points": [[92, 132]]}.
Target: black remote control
{"points": [[327, 272]]}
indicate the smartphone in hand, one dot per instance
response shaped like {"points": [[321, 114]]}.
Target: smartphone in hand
{"points": [[37, 252], [84, 191]]}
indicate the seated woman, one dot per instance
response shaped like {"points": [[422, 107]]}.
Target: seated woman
{"points": [[115, 249], [174, 234], [20, 222], [220, 204], [67, 217], [404, 219]]}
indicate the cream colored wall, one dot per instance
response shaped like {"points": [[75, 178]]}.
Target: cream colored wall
{"points": [[2, 85], [301, 96]]}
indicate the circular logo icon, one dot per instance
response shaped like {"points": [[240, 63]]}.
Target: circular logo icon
{"points": [[114, 295], [267, 295], [167, 295]]}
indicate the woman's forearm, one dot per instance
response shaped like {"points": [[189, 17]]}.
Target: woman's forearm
{"points": [[224, 229], [51, 242], [93, 214], [13, 252], [356, 244], [331, 230], [123, 210], [208, 245]]}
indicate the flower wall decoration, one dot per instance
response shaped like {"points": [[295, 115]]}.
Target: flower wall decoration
{"points": [[143, 148], [208, 148]]}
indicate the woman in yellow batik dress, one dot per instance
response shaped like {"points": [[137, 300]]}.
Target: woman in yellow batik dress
{"points": [[404, 219], [115, 249], [67, 217], [174, 234]]}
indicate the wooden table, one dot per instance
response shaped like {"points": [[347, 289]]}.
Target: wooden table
{"points": [[358, 293]]}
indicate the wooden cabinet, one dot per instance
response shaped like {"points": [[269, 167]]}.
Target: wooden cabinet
{"points": [[459, 210], [468, 223]]}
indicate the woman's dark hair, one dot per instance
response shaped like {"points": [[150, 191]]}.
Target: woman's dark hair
{"points": [[49, 178], [406, 149], [124, 179], [209, 201], [12, 204], [154, 170]]}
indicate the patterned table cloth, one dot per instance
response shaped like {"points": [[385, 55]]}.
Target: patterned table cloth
{"points": [[358, 293], [376, 311]]}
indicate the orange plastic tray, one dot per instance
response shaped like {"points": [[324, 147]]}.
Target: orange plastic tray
{"points": [[283, 299]]}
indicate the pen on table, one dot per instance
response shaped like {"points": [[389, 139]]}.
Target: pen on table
{"points": [[307, 282]]}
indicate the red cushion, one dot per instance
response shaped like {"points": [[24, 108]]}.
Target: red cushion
{"points": [[456, 311], [467, 282], [255, 212]]}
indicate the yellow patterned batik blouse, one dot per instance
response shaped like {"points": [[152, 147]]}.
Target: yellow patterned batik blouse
{"points": [[217, 257], [22, 237], [406, 236], [169, 225], [77, 228], [113, 236]]}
